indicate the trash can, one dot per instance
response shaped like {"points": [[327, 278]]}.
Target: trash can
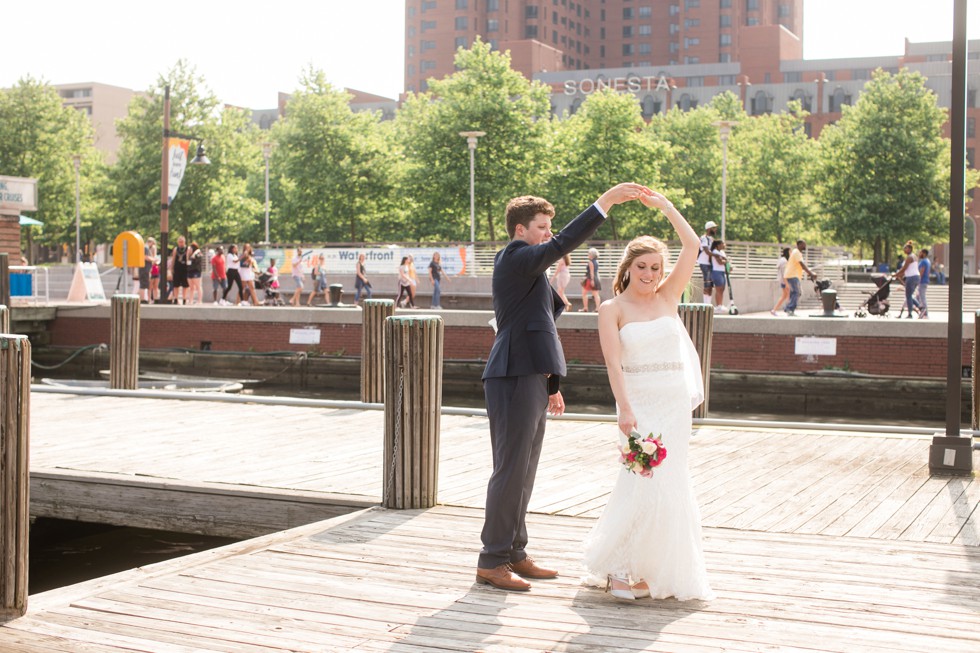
{"points": [[829, 299], [336, 290], [20, 284]]}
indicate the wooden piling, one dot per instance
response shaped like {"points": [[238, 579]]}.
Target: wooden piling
{"points": [[4, 319], [699, 321], [4, 279], [15, 402], [373, 317], [413, 403], [974, 387], [124, 342]]}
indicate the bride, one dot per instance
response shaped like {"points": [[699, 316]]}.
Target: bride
{"points": [[648, 540]]}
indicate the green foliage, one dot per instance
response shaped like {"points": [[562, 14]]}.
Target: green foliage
{"points": [[212, 203], [770, 178], [885, 166], [334, 172], [597, 148], [38, 138], [484, 94]]}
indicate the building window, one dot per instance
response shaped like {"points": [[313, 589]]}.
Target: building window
{"points": [[861, 73], [838, 99], [783, 11], [461, 4], [461, 22], [411, 31], [691, 42], [724, 40], [969, 157], [793, 77], [554, 18], [461, 42], [530, 31], [427, 45], [410, 51], [428, 24], [675, 9], [531, 11], [725, 20], [674, 28], [692, 4], [725, 4], [726, 80], [645, 12], [689, 60], [673, 47], [829, 75], [428, 65], [493, 25], [751, 20], [971, 127], [427, 5], [695, 82], [627, 13], [627, 49], [752, 5], [645, 48], [411, 12], [644, 30], [804, 99], [411, 69], [627, 31], [493, 5], [686, 103], [971, 97], [649, 106], [760, 104], [691, 22], [554, 37], [725, 57]]}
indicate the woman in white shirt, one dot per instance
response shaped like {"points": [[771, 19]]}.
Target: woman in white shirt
{"points": [[718, 280], [232, 267], [780, 273]]}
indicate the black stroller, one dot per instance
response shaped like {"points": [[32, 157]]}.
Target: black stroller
{"points": [[877, 302], [272, 296]]}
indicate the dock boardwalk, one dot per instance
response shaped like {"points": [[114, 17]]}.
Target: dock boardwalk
{"points": [[398, 581]]}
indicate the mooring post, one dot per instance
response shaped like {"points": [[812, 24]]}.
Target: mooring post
{"points": [[413, 403], [15, 402], [124, 342], [4, 279], [373, 317], [699, 321], [4, 319]]}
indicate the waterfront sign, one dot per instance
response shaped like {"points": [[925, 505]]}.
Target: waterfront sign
{"points": [[17, 194]]}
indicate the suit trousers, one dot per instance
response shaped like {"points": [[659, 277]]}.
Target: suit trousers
{"points": [[517, 409]]}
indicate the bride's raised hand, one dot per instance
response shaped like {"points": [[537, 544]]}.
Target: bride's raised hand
{"points": [[655, 200]]}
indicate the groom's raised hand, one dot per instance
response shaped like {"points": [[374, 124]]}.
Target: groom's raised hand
{"points": [[622, 193]]}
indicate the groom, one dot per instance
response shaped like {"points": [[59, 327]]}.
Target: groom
{"points": [[521, 378]]}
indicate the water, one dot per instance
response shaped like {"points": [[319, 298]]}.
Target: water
{"points": [[68, 552]]}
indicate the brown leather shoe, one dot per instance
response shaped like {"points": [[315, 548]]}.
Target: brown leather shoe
{"points": [[528, 569], [502, 578]]}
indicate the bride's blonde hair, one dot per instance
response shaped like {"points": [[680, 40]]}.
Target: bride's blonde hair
{"points": [[639, 246]]}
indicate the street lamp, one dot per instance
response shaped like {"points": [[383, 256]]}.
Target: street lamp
{"points": [[471, 142], [200, 159], [77, 160], [725, 130], [266, 151]]}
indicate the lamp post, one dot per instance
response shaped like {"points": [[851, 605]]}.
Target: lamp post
{"points": [[77, 160], [725, 130], [200, 159], [266, 151], [471, 142]]}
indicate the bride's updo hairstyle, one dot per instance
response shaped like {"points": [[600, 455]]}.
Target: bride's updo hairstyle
{"points": [[639, 246]]}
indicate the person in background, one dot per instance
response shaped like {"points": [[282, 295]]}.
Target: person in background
{"points": [[273, 273], [941, 274], [562, 277], [436, 276], [297, 273], [233, 272], [704, 259], [247, 271], [591, 284], [406, 298], [795, 267], [784, 287], [718, 282], [908, 274], [195, 273], [320, 280], [178, 268], [154, 271], [219, 278], [414, 276], [149, 252], [925, 270], [361, 283]]}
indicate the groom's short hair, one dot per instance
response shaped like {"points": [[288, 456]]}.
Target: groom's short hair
{"points": [[521, 210]]}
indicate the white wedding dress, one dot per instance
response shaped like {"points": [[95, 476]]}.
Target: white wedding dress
{"points": [[651, 527]]}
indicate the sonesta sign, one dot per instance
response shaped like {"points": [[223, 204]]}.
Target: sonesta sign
{"points": [[18, 194], [632, 83]]}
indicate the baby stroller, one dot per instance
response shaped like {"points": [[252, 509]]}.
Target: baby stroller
{"points": [[272, 296], [877, 302]]}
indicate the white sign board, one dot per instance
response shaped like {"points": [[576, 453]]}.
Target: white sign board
{"points": [[18, 194], [304, 336], [86, 285], [811, 346]]}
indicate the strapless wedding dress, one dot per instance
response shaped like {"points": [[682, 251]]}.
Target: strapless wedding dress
{"points": [[651, 527]]}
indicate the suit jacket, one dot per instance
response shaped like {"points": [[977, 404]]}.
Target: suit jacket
{"points": [[526, 306]]}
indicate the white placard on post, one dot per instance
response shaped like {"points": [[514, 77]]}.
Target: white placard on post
{"points": [[812, 346], [86, 284], [304, 336]]}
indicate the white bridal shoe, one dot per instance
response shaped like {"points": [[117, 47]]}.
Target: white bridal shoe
{"points": [[619, 588], [640, 589]]}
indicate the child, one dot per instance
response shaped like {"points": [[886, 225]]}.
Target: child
{"points": [[273, 274]]}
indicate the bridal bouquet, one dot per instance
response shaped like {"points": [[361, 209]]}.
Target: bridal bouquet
{"points": [[642, 453]]}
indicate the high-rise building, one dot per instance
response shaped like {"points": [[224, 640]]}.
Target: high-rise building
{"points": [[104, 105], [562, 35]]}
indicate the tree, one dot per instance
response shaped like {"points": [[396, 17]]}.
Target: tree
{"points": [[484, 94], [212, 203], [38, 139], [598, 147], [885, 166], [770, 178], [334, 169]]}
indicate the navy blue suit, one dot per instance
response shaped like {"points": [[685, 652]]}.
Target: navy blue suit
{"points": [[525, 352]]}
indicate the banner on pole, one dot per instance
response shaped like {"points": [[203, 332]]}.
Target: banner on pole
{"points": [[177, 148]]}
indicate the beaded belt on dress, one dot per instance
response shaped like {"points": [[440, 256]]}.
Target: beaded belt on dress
{"points": [[653, 367]]}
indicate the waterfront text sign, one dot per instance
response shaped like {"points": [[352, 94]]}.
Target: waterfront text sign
{"points": [[17, 194]]}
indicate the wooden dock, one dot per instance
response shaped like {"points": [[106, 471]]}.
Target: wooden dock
{"points": [[815, 541]]}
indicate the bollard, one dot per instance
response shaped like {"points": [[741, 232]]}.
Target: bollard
{"points": [[4, 280], [124, 342], [336, 290], [373, 317], [698, 320], [413, 403], [4, 319], [15, 401]]}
